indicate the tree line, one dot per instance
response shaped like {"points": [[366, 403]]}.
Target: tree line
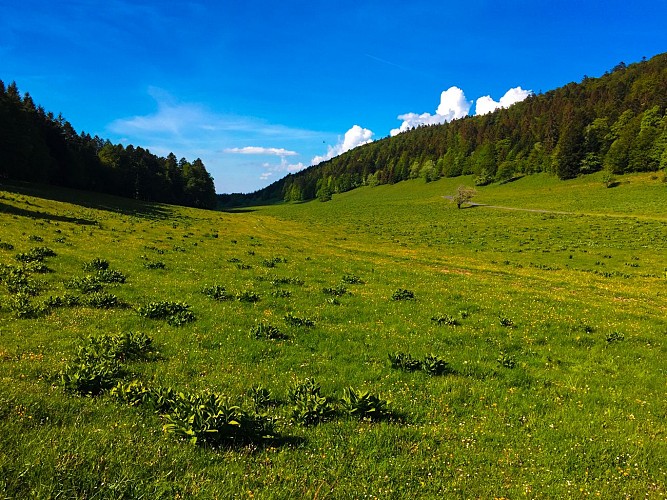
{"points": [[616, 122], [36, 146]]}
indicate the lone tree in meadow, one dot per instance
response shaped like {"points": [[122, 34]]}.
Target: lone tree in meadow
{"points": [[463, 195]]}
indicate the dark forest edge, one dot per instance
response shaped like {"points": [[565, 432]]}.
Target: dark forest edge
{"points": [[36, 146], [617, 123]]}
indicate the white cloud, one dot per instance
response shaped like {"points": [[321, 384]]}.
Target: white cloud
{"points": [[192, 130], [283, 167], [256, 150], [453, 105], [486, 104], [356, 136]]}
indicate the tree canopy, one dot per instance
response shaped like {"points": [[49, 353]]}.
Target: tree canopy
{"points": [[36, 146], [617, 121]]}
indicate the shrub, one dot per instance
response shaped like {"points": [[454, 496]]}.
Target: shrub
{"points": [[6, 246], [402, 294], [281, 294], [216, 292], [364, 405]]}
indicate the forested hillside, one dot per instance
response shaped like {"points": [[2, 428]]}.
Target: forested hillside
{"points": [[37, 146], [616, 122]]}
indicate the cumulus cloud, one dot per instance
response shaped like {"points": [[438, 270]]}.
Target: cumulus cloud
{"points": [[282, 168], [486, 104], [356, 136], [453, 105], [256, 150]]}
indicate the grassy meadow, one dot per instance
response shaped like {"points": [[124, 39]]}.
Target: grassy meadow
{"points": [[515, 349]]}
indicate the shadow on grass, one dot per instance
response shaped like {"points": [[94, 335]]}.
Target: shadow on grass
{"points": [[89, 199], [34, 214], [232, 210]]}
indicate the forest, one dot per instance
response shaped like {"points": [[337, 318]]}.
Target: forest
{"points": [[616, 122], [37, 146]]}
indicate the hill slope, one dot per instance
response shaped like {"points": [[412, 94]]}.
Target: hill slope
{"points": [[616, 122], [529, 360]]}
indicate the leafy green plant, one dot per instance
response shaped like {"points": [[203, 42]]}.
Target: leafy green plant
{"points": [[109, 276], [98, 362], [292, 320], [287, 281], [434, 366], [6, 246], [352, 279], [266, 331], [17, 281], [612, 337], [506, 360], [158, 264], [35, 254], [336, 291], [403, 294], [247, 296], [217, 292], [66, 300], [309, 406], [85, 284], [506, 322], [364, 405], [93, 370], [281, 294], [23, 308], [445, 319], [404, 361], [103, 300], [207, 418], [260, 396], [97, 264], [176, 313]]}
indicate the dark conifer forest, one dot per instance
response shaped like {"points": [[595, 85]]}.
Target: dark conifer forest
{"points": [[617, 122], [36, 146]]}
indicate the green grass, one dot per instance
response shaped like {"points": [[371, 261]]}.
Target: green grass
{"points": [[557, 383]]}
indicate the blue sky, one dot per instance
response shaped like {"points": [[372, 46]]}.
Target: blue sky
{"points": [[260, 89]]}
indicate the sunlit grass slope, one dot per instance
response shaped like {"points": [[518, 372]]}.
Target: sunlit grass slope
{"points": [[552, 320]]}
